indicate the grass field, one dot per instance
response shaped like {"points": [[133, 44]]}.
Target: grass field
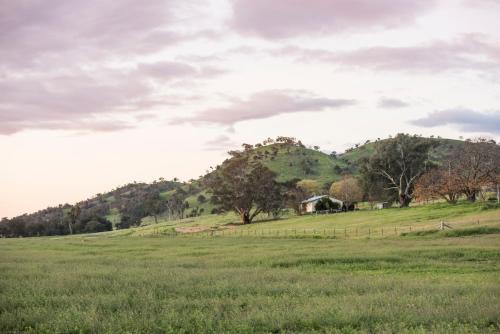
{"points": [[114, 282], [420, 217]]}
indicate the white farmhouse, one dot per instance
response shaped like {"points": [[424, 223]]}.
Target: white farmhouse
{"points": [[308, 206]]}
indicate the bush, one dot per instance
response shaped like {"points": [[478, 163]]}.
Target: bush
{"points": [[326, 204]]}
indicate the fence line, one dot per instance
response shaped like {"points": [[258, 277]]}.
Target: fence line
{"points": [[337, 233]]}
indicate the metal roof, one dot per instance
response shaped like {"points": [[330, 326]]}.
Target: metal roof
{"points": [[315, 198]]}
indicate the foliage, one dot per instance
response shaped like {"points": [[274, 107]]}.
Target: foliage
{"points": [[245, 187], [398, 162], [347, 190], [310, 187], [476, 164], [438, 183], [326, 204]]}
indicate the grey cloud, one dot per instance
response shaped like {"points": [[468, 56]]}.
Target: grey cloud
{"points": [[266, 104], [391, 103], [466, 120]]}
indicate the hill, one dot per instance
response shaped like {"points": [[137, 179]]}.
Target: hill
{"points": [[131, 204], [290, 161]]}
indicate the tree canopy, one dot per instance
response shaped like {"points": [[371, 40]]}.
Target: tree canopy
{"points": [[245, 187]]}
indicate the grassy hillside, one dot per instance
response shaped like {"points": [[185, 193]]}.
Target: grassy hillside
{"points": [[291, 162], [358, 224], [112, 283]]}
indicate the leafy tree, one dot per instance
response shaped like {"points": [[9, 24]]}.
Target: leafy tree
{"points": [[294, 195], [201, 199], [310, 187], [245, 187], [347, 190], [399, 162], [74, 214], [154, 205], [326, 204], [127, 221]]}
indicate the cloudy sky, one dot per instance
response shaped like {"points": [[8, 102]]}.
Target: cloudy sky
{"points": [[95, 94]]}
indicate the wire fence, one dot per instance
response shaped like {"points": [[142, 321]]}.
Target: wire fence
{"points": [[333, 233]]}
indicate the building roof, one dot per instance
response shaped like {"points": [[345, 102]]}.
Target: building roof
{"points": [[315, 198]]}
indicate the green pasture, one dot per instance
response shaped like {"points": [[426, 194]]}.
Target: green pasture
{"points": [[117, 282]]}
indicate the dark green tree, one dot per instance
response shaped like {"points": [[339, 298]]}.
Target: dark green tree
{"points": [[244, 186]]}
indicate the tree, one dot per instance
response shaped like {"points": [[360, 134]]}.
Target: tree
{"points": [[326, 204], [74, 214], [438, 183], [201, 199], [310, 187], [154, 205], [294, 195], [347, 190], [399, 162], [476, 164], [245, 187], [127, 221]]}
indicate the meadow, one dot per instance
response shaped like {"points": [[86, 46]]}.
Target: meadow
{"points": [[113, 282]]}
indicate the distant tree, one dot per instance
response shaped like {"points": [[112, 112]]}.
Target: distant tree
{"points": [[154, 205], [245, 187], [399, 162], [294, 195], [476, 164], [201, 199], [438, 183], [127, 221], [74, 214], [310, 187], [316, 148], [347, 190], [326, 204], [333, 155]]}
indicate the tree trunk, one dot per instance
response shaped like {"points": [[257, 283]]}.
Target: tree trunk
{"points": [[404, 200], [156, 219], [245, 218], [471, 197]]}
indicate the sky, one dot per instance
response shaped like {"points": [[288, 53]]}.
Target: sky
{"points": [[96, 94]]}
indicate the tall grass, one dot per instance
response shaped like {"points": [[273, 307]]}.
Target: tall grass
{"points": [[249, 285]]}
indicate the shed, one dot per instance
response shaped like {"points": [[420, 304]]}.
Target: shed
{"points": [[308, 206]]}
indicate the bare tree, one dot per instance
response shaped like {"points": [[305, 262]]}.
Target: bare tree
{"points": [[476, 164], [438, 183]]}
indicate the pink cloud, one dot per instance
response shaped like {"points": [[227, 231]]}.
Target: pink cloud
{"points": [[288, 18], [468, 52], [266, 104]]}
